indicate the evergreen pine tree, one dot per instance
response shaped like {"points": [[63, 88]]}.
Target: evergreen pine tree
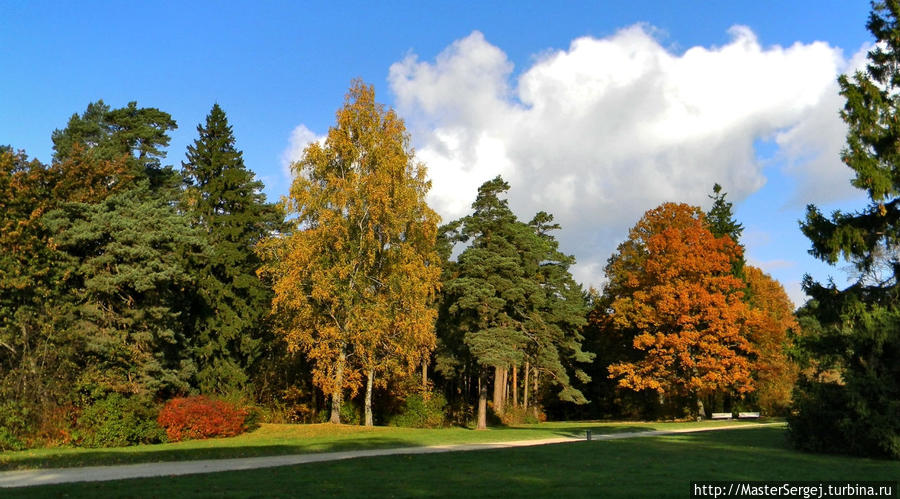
{"points": [[226, 202]]}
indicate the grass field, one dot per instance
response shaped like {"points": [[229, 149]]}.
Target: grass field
{"points": [[271, 440], [660, 466]]}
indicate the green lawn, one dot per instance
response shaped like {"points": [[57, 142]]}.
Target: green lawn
{"points": [[654, 467], [296, 439]]}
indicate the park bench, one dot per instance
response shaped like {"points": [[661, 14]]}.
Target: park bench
{"points": [[720, 415], [748, 415]]}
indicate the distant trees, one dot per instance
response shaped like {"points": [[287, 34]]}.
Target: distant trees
{"points": [[851, 401], [355, 278]]}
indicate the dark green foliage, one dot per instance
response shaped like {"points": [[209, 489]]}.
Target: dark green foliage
{"points": [[128, 254], [117, 421], [140, 134], [223, 199], [509, 298], [850, 403], [421, 411], [721, 222], [855, 342]]}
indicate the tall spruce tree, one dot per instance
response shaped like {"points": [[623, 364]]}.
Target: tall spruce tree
{"points": [[857, 337], [226, 202]]}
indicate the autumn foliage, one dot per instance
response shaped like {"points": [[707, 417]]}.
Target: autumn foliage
{"points": [[772, 316], [199, 417], [355, 281], [673, 291]]}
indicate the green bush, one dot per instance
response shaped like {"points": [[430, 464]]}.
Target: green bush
{"points": [[832, 418], [117, 421], [13, 425], [421, 411], [349, 414]]}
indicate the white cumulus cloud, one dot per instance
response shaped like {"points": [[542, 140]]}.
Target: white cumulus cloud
{"points": [[600, 132], [301, 136]]}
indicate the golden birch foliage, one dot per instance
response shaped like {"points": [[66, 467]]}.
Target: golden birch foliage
{"points": [[674, 291], [356, 277]]}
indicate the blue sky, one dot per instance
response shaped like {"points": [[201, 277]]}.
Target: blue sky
{"points": [[626, 104]]}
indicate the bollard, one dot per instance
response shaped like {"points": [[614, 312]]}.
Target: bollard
{"points": [[588, 435]]}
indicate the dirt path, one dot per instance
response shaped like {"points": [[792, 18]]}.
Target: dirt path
{"points": [[28, 478]]}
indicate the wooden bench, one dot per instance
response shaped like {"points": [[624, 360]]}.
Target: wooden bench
{"points": [[748, 415], [720, 415]]}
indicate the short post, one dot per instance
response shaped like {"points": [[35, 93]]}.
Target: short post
{"points": [[588, 434]]}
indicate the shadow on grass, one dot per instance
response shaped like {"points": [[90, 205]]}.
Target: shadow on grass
{"points": [[661, 466], [275, 444]]}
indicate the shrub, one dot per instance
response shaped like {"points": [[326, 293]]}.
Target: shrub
{"points": [[200, 417], [349, 414], [13, 425], [422, 411], [116, 421]]}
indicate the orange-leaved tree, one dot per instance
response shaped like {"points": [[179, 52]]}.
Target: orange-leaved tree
{"points": [[355, 280], [772, 316], [671, 288]]}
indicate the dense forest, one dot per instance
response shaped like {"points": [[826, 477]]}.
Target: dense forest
{"points": [[133, 292]]}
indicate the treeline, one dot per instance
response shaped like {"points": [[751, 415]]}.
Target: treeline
{"points": [[126, 283]]}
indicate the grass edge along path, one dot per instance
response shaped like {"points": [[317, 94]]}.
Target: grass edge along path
{"points": [[285, 439], [27, 478]]}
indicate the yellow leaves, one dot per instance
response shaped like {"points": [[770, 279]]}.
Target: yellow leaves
{"points": [[359, 273]]}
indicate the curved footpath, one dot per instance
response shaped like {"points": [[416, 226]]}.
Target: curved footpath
{"points": [[28, 478]]}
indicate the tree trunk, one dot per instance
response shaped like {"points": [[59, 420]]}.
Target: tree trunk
{"points": [[482, 403], [424, 375], [515, 386], [337, 392], [700, 412], [535, 392], [369, 382], [499, 388], [525, 385]]}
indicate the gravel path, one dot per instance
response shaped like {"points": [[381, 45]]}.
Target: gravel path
{"points": [[27, 478]]}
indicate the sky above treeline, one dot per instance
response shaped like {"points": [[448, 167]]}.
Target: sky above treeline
{"points": [[592, 111]]}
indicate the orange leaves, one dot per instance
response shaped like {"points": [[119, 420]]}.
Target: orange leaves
{"points": [[671, 286]]}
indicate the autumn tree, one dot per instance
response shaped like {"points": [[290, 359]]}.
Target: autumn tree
{"points": [[225, 201], [355, 278], [857, 334], [769, 327], [671, 287]]}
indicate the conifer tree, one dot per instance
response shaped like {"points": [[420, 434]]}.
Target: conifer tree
{"points": [[137, 134], [858, 328], [721, 222], [224, 200], [511, 299]]}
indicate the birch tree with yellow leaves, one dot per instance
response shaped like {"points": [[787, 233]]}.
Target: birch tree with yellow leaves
{"points": [[355, 279]]}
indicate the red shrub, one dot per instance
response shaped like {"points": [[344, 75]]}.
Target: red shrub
{"points": [[200, 417]]}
